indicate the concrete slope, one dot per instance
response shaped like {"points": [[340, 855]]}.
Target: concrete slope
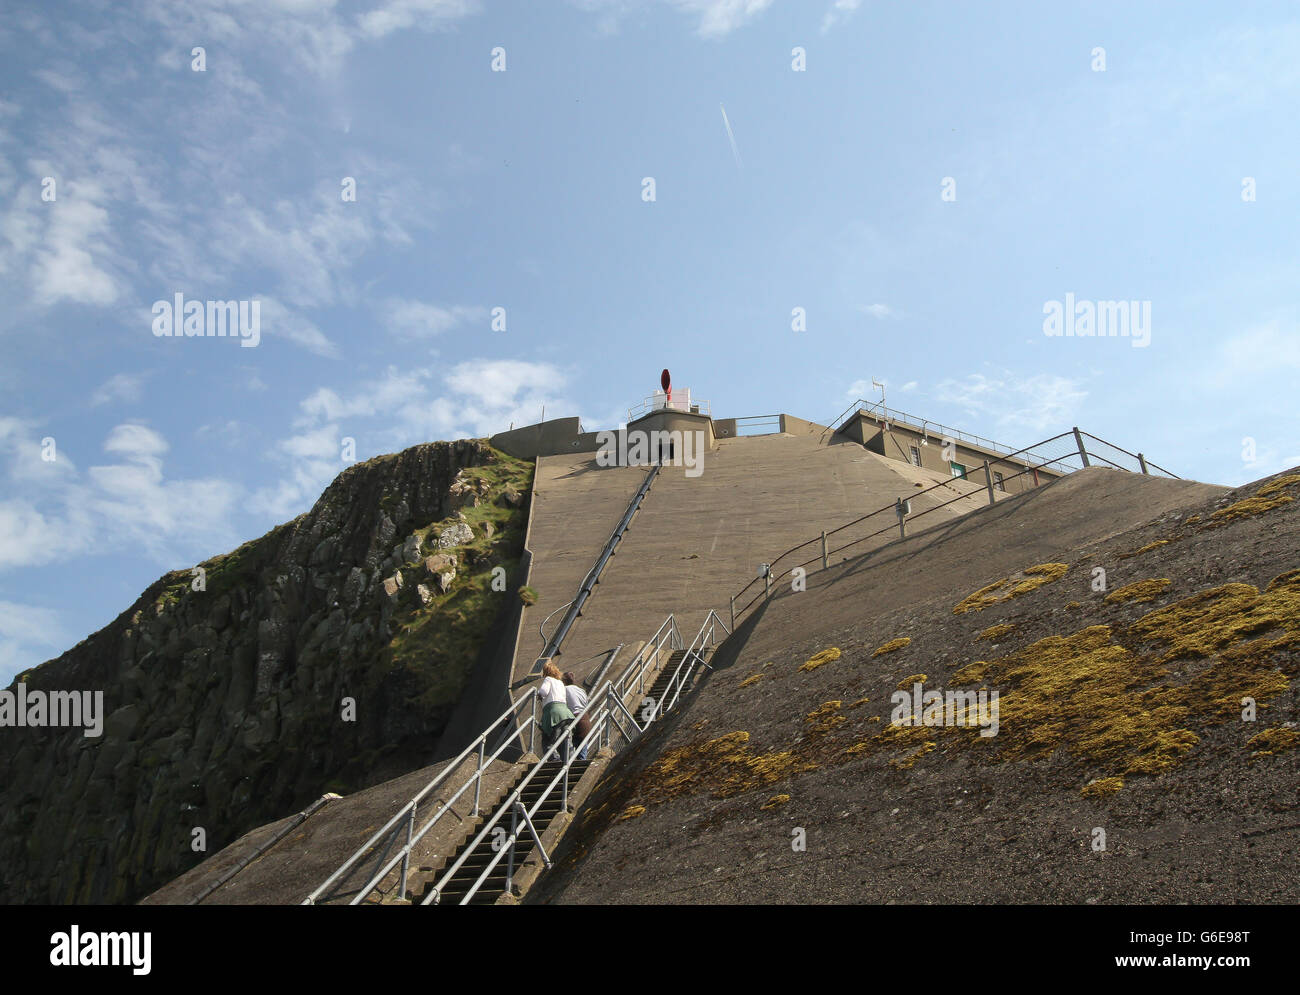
{"points": [[697, 540], [1120, 711], [576, 504], [296, 862]]}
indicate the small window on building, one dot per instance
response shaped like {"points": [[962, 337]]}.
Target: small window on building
{"points": [[916, 455], [958, 470], [997, 481]]}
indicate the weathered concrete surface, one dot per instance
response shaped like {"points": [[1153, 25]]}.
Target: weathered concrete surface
{"points": [[291, 869], [697, 540], [958, 825]]}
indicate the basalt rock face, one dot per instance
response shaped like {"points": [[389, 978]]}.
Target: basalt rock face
{"points": [[303, 661]]}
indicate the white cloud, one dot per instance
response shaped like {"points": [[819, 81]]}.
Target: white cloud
{"points": [[720, 17], [416, 319], [401, 408], [401, 15], [1036, 403], [839, 11], [119, 387], [27, 633], [111, 508], [880, 311], [280, 321]]}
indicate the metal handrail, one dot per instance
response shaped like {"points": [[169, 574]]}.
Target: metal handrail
{"points": [[611, 698], [1056, 464], [688, 661], [541, 626], [551, 648], [648, 405], [409, 809], [893, 414]]}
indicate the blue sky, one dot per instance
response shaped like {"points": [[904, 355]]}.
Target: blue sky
{"points": [[523, 190]]}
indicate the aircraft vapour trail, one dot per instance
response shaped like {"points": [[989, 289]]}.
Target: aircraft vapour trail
{"points": [[730, 137]]}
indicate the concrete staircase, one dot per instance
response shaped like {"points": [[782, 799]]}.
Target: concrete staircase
{"points": [[495, 885], [696, 540]]}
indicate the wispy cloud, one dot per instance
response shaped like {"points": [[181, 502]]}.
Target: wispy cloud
{"points": [[119, 387], [839, 11], [1007, 400], [416, 319]]}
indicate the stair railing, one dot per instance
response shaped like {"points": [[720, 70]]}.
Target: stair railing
{"points": [[408, 812], [704, 639]]}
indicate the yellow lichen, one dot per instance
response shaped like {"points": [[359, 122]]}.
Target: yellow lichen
{"points": [[906, 683], [1102, 787], [751, 679], [824, 657], [1150, 546], [995, 632], [860, 701], [776, 801], [908, 762], [1267, 498], [824, 717], [892, 646], [1007, 588], [1142, 590], [1273, 741], [631, 812]]}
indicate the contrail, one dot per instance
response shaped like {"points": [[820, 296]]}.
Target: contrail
{"points": [[730, 137]]}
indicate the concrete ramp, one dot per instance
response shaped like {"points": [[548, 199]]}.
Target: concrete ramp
{"points": [[698, 539]]}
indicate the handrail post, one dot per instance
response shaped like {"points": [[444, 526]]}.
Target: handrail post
{"points": [[532, 728], [988, 481], [406, 858], [478, 786], [510, 866], [825, 562], [733, 612], [1142, 462], [1083, 453]]}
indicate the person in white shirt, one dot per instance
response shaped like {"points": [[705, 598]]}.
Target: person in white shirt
{"points": [[576, 699], [556, 714]]}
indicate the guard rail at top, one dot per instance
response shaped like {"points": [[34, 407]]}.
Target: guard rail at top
{"points": [[1030, 460], [879, 411], [656, 402]]}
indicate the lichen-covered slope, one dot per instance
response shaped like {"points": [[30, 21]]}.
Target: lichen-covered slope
{"points": [[226, 706], [1146, 747]]}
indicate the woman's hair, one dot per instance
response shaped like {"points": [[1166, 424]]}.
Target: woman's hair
{"points": [[551, 670], [569, 678]]}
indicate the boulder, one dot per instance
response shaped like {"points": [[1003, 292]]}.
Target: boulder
{"points": [[456, 534]]}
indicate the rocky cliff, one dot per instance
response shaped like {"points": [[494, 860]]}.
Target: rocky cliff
{"points": [[329, 654]]}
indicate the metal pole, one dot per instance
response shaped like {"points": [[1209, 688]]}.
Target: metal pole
{"points": [[1142, 462], [824, 561], [733, 613], [1083, 453], [988, 480], [510, 865], [478, 784], [406, 857], [532, 729]]}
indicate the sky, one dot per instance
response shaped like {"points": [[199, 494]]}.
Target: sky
{"points": [[453, 214]]}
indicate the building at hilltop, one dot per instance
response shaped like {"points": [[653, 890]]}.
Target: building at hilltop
{"points": [[884, 431]]}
